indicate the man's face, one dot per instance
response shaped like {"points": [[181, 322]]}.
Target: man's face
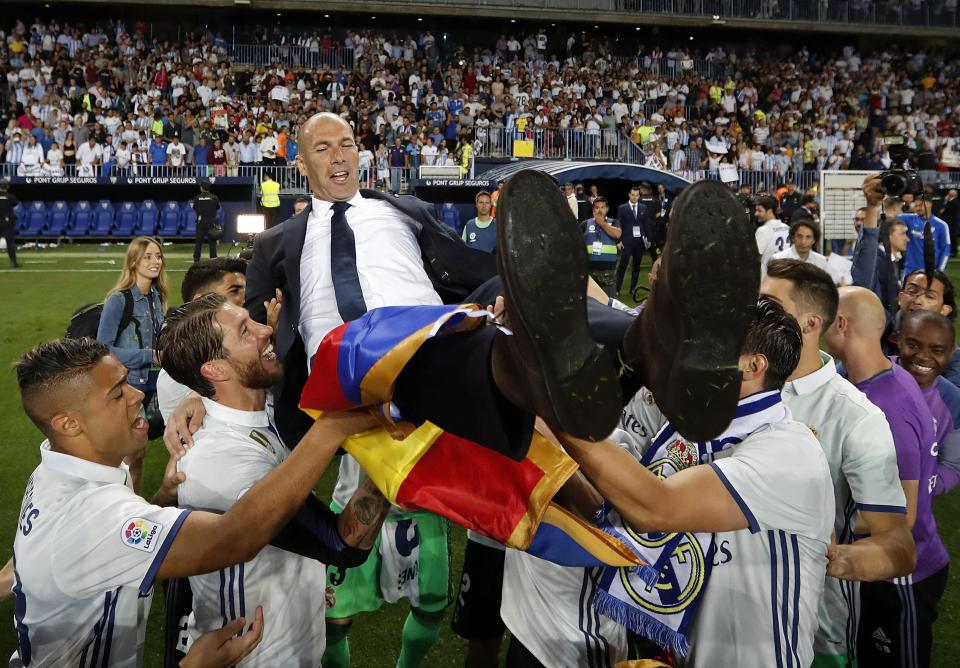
{"points": [[248, 349], [780, 290], [925, 350], [233, 286], [110, 414], [858, 219], [634, 195], [484, 205], [803, 239], [762, 213], [600, 210], [329, 158], [898, 238], [916, 296]]}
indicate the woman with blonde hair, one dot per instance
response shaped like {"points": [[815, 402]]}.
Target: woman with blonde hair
{"points": [[132, 314]]}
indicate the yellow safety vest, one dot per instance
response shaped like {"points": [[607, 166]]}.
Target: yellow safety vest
{"points": [[270, 197]]}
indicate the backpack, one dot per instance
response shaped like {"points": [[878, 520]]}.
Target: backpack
{"points": [[85, 321]]}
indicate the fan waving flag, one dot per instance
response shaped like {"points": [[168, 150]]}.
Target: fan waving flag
{"points": [[509, 501]]}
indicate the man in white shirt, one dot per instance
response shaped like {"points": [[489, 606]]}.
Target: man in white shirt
{"points": [[248, 151], [767, 499], [89, 156], [857, 442], [429, 152], [176, 153], [268, 149], [214, 348], [88, 550], [32, 158], [772, 235], [804, 236]]}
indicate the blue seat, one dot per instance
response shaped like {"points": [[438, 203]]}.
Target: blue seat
{"points": [[59, 217], [170, 215], [148, 219], [127, 218], [81, 219], [37, 219], [189, 226], [104, 216], [20, 211]]}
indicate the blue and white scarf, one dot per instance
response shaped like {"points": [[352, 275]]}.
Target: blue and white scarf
{"points": [[659, 600]]}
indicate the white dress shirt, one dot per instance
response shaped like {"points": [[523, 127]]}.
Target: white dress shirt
{"points": [[388, 263]]}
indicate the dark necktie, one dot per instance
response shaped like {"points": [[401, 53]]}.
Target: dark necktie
{"points": [[343, 265]]}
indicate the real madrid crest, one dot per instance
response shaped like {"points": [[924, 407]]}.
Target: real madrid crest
{"points": [[682, 454]]}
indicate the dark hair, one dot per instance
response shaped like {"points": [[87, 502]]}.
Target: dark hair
{"points": [[767, 202], [922, 317], [191, 337], [205, 273], [302, 199], [812, 287], [775, 334], [599, 199], [949, 297], [808, 222], [47, 366]]}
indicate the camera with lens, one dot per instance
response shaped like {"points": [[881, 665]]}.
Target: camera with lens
{"points": [[899, 181]]}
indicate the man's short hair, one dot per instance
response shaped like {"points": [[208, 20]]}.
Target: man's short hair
{"points": [[949, 295], [600, 199], [775, 334], [482, 193], [301, 199], [201, 277], [813, 289], [808, 222], [47, 367], [767, 202], [931, 317], [191, 337]]}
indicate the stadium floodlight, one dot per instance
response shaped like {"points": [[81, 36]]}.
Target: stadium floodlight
{"points": [[253, 223]]}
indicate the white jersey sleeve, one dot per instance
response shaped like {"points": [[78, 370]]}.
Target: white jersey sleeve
{"points": [[799, 477], [869, 464], [640, 422], [169, 394], [113, 538]]}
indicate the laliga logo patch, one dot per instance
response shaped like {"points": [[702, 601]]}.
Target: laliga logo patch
{"points": [[141, 534]]}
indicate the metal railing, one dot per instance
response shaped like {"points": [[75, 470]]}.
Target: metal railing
{"points": [[930, 13], [682, 66], [262, 55]]}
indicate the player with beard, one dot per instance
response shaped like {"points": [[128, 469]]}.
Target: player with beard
{"points": [[216, 349]]}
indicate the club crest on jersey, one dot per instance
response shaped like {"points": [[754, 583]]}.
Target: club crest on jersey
{"points": [[141, 534], [682, 454], [682, 574]]}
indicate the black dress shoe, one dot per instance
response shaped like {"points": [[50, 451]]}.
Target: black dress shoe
{"points": [[686, 344], [551, 366]]}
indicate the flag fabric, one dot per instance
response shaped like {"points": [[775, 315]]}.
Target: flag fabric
{"points": [[659, 600], [511, 502]]}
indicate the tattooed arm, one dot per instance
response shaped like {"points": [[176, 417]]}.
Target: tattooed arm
{"points": [[316, 532]]}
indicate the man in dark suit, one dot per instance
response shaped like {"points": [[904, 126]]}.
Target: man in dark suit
{"points": [[633, 218], [399, 254]]}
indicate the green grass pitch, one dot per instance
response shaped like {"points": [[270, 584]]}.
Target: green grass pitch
{"points": [[37, 302]]}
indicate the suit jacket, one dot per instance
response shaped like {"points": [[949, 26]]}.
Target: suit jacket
{"points": [[627, 221], [454, 269]]}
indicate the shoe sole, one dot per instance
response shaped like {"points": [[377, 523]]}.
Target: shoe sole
{"points": [[714, 278], [543, 265]]}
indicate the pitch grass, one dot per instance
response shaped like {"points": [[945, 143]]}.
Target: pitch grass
{"points": [[37, 301]]}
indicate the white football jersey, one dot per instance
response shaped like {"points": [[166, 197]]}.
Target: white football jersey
{"points": [[857, 442], [772, 237], [549, 609], [640, 422], [760, 605], [790, 253], [232, 451], [87, 551]]}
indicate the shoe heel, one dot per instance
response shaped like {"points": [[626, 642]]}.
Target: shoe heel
{"points": [[589, 403], [701, 401]]}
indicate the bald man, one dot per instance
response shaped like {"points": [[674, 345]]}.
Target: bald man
{"points": [[896, 618]]}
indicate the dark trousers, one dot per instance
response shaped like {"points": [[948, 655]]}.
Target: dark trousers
{"points": [[519, 656], [10, 235], [896, 621], [271, 216], [450, 383], [630, 253], [203, 234], [449, 380]]}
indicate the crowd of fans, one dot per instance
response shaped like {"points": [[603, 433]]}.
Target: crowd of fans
{"points": [[115, 98]]}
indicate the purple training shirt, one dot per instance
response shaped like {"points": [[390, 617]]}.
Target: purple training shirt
{"points": [[897, 394]]}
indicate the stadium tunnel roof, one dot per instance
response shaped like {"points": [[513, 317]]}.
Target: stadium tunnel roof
{"points": [[566, 170]]}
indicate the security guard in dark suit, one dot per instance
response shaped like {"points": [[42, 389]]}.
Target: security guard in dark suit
{"points": [[207, 206], [8, 222]]}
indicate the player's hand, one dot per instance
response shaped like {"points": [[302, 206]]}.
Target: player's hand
{"points": [[167, 494], [273, 311], [6, 580], [183, 423], [223, 648], [497, 308], [840, 562], [872, 189]]}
